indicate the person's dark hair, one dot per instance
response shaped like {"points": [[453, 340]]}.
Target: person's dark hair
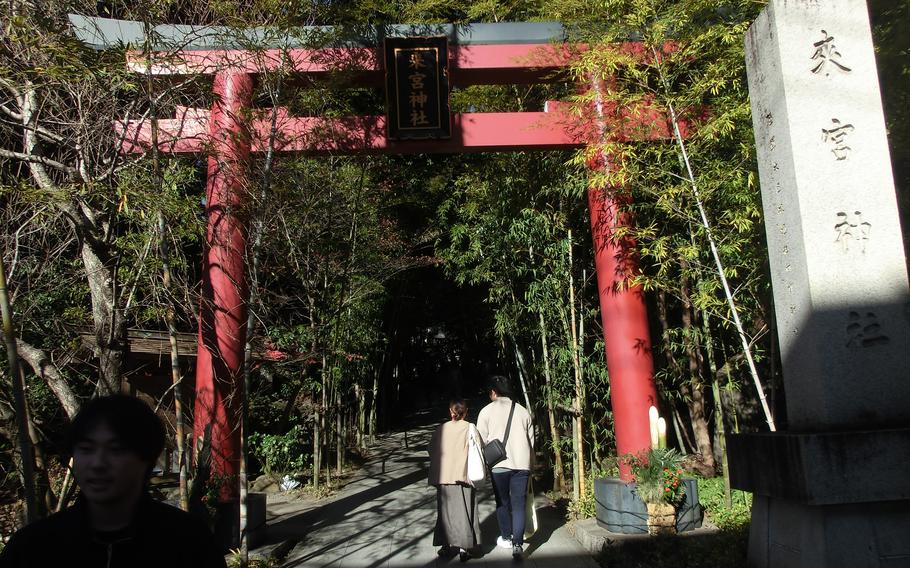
{"points": [[133, 421], [500, 385], [459, 408]]}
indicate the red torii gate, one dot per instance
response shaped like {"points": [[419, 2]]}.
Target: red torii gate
{"points": [[490, 54]]}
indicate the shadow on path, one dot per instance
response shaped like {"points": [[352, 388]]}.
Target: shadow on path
{"points": [[385, 516]]}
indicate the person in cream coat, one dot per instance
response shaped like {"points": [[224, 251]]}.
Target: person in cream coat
{"points": [[457, 527]]}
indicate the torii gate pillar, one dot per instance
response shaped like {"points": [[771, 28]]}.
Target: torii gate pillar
{"points": [[223, 312], [627, 338]]}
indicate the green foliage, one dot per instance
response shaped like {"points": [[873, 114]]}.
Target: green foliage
{"points": [[890, 20], [711, 497], [280, 453], [177, 200]]}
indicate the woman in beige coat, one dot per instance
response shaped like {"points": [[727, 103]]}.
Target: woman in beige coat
{"points": [[457, 526]]}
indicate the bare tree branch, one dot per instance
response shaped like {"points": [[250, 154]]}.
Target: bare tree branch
{"points": [[41, 363], [38, 160]]}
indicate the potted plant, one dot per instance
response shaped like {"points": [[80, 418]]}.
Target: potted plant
{"points": [[656, 474]]}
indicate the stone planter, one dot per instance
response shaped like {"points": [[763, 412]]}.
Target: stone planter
{"points": [[661, 518], [620, 510]]}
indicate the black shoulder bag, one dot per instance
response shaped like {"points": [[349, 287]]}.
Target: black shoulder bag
{"points": [[494, 451]]}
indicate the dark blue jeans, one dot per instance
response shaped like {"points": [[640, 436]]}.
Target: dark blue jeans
{"points": [[510, 488]]}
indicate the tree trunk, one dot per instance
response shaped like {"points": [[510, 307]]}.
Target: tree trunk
{"points": [[45, 498], [374, 403], [110, 329], [316, 453], [682, 434], [694, 390], [47, 371], [360, 398], [339, 434], [720, 420], [92, 230]]}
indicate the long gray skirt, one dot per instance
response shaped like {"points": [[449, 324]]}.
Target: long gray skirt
{"points": [[456, 517]]}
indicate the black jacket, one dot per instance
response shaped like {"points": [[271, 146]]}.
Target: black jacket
{"points": [[159, 536]]}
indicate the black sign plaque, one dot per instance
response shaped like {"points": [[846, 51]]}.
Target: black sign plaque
{"points": [[417, 88]]}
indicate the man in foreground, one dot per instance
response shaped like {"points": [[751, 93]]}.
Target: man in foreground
{"points": [[510, 476], [114, 442]]}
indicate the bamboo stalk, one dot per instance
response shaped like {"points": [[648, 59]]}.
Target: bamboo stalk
{"points": [[360, 396], [559, 481], [681, 433], [65, 487], [576, 458], [579, 379], [339, 434], [323, 421]]}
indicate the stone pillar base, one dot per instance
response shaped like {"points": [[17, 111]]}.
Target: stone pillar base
{"points": [[828, 499], [788, 534]]}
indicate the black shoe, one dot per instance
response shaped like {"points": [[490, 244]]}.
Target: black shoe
{"points": [[517, 552], [463, 555], [447, 550]]}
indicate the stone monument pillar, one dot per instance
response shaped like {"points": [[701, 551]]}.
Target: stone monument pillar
{"points": [[831, 491]]}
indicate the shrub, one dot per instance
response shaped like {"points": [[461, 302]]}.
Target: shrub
{"points": [[711, 497], [280, 453]]}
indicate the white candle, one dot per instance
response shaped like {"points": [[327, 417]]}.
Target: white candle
{"points": [[652, 423]]}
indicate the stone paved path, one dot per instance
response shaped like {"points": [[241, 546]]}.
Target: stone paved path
{"points": [[385, 517]]}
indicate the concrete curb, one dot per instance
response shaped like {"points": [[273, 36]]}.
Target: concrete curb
{"points": [[594, 538]]}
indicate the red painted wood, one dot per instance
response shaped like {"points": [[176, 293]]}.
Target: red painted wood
{"points": [[474, 132], [627, 337], [625, 323], [476, 64], [471, 64], [222, 319], [302, 61], [559, 128]]}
